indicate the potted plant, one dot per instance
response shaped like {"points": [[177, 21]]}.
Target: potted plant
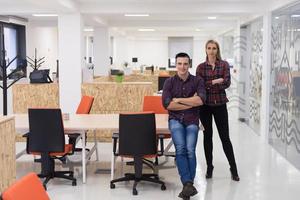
{"points": [[119, 76]]}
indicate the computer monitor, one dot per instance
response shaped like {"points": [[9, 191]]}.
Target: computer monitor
{"points": [[161, 82], [134, 60]]}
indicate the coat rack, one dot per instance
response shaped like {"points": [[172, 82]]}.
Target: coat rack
{"points": [[5, 76], [35, 63]]}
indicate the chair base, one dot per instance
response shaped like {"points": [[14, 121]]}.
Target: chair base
{"points": [[48, 172], [153, 178], [69, 175]]}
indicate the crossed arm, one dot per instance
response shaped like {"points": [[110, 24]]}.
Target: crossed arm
{"points": [[185, 103]]}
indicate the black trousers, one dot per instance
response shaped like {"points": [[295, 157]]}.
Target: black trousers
{"points": [[220, 115]]}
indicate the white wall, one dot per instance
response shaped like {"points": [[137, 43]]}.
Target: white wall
{"points": [[153, 51], [199, 55], [149, 51], [44, 37], [120, 50]]}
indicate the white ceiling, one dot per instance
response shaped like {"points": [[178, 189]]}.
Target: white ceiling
{"points": [[167, 17]]}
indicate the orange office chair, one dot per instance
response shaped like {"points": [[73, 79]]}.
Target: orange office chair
{"points": [[84, 107], [136, 139], [46, 137], [27, 188], [154, 104]]}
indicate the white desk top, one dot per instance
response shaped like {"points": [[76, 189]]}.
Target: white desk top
{"points": [[92, 122]]}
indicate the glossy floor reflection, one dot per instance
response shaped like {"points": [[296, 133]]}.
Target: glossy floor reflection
{"points": [[265, 175]]}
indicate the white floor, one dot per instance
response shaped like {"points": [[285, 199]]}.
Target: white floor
{"points": [[265, 175]]}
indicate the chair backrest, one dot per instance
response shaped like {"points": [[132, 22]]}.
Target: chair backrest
{"points": [[46, 130], [85, 105], [137, 134], [154, 104], [27, 188]]}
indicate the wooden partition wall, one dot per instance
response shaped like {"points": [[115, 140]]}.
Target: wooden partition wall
{"points": [[7, 152], [110, 97], [27, 95]]}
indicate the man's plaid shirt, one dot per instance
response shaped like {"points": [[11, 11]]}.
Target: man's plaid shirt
{"points": [[215, 94]]}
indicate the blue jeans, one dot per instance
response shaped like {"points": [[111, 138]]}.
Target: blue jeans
{"points": [[185, 140]]}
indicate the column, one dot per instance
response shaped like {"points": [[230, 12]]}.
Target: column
{"points": [[101, 51], [120, 54], [70, 48]]}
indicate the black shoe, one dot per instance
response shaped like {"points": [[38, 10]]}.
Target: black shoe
{"points": [[183, 197], [234, 175], [188, 190], [209, 172]]}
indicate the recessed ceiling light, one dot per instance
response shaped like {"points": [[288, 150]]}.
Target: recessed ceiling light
{"points": [[276, 17], [198, 29], [211, 17], [44, 15], [146, 29], [295, 16], [136, 15], [88, 29]]}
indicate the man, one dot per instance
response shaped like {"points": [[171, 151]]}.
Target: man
{"points": [[182, 96]]}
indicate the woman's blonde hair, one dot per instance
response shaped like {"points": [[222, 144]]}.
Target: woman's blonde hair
{"points": [[218, 48]]}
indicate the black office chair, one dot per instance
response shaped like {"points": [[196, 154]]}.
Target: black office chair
{"points": [[46, 137], [137, 139]]}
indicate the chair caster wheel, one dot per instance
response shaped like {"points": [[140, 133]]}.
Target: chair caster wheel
{"points": [[74, 183], [112, 186], [134, 192], [163, 187]]}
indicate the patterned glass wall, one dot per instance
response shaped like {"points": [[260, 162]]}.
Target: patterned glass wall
{"points": [[255, 73], [242, 59], [284, 125], [227, 52], [251, 41]]}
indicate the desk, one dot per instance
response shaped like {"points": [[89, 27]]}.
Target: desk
{"points": [[90, 122]]}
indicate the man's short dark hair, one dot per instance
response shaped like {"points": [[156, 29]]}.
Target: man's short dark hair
{"points": [[183, 55]]}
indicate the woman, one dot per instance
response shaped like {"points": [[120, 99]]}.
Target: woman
{"points": [[216, 74]]}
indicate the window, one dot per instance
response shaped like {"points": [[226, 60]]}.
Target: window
{"points": [[13, 46]]}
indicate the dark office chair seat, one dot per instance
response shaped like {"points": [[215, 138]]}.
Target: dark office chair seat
{"points": [[137, 139], [46, 137]]}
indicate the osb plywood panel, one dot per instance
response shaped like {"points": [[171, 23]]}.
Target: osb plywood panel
{"points": [[101, 136], [110, 96], [7, 152], [113, 97], [34, 96]]}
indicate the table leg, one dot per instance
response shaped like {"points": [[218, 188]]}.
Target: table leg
{"points": [[83, 158]]}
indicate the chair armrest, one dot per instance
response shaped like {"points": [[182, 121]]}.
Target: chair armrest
{"points": [[25, 135], [73, 135], [73, 139], [115, 138]]}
